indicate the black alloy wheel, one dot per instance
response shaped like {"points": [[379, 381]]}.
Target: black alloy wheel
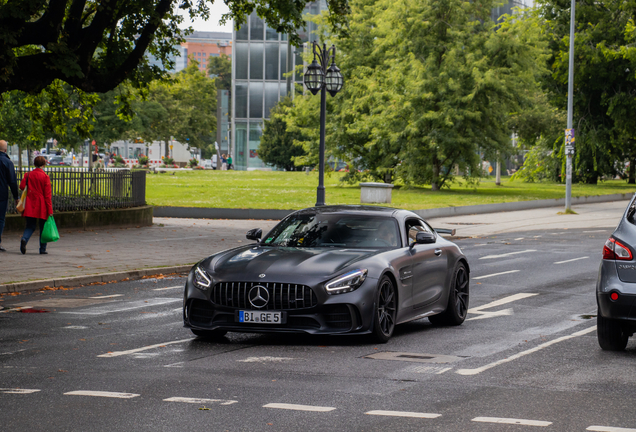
{"points": [[611, 336], [458, 297], [385, 311]]}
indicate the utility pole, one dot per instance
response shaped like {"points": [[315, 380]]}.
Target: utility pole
{"points": [[569, 133]]}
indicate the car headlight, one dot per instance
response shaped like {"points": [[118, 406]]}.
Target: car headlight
{"points": [[347, 282], [201, 279]]}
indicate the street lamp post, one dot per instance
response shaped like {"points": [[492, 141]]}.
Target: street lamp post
{"points": [[320, 78], [569, 133]]}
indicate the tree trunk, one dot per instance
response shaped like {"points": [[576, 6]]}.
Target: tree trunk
{"points": [[632, 172], [435, 182], [167, 147]]}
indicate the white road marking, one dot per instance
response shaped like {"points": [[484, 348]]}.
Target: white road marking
{"points": [[507, 254], [107, 296], [609, 429], [168, 288], [136, 350], [298, 407], [520, 238], [18, 391], [265, 359], [486, 314], [102, 394], [13, 352], [595, 231], [403, 414], [72, 327], [574, 259], [512, 421], [524, 353], [200, 401], [135, 305], [495, 274]]}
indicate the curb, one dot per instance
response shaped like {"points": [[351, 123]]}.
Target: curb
{"points": [[225, 213], [89, 279]]}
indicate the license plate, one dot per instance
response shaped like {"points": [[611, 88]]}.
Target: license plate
{"points": [[260, 317]]}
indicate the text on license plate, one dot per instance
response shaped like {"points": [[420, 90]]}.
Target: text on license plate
{"points": [[260, 317]]}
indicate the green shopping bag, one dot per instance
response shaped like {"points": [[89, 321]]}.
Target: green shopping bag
{"points": [[49, 232]]}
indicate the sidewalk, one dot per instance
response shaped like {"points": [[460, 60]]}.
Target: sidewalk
{"points": [[173, 245]]}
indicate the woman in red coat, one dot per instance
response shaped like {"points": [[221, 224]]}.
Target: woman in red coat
{"points": [[38, 203]]}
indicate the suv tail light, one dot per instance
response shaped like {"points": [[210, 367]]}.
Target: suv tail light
{"points": [[615, 250]]}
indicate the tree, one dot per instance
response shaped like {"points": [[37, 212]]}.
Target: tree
{"points": [[220, 68], [95, 45], [279, 146], [604, 81], [429, 85], [182, 106]]}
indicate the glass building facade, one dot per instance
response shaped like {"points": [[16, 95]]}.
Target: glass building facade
{"points": [[259, 64]]}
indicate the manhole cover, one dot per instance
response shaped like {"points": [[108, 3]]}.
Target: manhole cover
{"points": [[414, 357]]}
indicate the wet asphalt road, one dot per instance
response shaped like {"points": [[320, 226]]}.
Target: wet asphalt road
{"points": [[531, 358]]}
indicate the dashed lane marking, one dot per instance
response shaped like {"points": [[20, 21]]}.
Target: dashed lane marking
{"points": [[298, 407], [200, 401], [512, 421], [18, 391], [168, 288], [403, 414], [486, 314], [507, 254], [496, 274], [524, 353], [609, 429], [520, 238], [571, 260], [102, 394], [107, 296], [149, 347]]}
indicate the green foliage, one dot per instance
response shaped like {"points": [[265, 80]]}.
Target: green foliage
{"points": [[193, 163], [143, 160], [604, 81], [96, 45], [429, 85], [220, 68], [279, 145]]}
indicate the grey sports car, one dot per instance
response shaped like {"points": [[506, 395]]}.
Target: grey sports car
{"points": [[616, 284], [331, 270]]}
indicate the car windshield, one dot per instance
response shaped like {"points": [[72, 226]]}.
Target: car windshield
{"points": [[335, 230]]}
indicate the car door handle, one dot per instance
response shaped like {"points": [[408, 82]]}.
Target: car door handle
{"points": [[438, 252]]}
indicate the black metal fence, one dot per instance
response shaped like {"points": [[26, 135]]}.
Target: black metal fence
{"points": [[79, 189]]}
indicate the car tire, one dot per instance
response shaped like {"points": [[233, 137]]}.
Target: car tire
{"points": [[385, 310], [458, 297], [209, 334], [611, 336]]}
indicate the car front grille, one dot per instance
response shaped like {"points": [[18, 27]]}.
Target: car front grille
{"points": [[281, 296]]}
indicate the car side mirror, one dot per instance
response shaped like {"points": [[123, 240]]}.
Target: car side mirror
{"points": [[255, 234], [423, 238]]}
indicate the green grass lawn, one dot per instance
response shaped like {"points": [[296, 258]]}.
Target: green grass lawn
{"points": [[296, 190]]}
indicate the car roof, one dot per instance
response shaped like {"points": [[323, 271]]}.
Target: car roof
{"points": [[358, 210]]}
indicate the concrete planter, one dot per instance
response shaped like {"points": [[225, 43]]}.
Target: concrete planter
{"points": [[375, 192]]}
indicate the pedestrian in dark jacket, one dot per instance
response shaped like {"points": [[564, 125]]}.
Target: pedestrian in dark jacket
{"points": [[7, 180], [39, 204]]}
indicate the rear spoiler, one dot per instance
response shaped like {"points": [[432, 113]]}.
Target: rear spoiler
{"points": [[445, 231]]}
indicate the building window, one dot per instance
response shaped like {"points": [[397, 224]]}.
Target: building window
{"points": [[256, 130], [242, 32], [256, 61], [270, 33], [256, 100], [241, 99], [256, 27], [240, 145], [241, 52], [271, 97], [271, 61]]}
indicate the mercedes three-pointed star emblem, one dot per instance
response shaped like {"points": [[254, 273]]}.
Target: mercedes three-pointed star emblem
{"points": [[258, 296]]}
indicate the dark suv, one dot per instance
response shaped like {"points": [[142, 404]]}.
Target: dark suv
{"points": [[616, 284]]}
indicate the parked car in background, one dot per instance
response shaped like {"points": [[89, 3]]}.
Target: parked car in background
{"points": [[616, 284], [59, 161], [331, 270]]}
